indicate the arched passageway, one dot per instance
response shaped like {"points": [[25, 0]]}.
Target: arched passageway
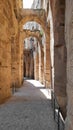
{"points": [[54, 57], [46, 47]]}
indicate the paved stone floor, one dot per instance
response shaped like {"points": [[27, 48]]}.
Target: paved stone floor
{"points": [[28, 109]]}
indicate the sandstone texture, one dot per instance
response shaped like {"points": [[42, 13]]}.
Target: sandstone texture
{"points": [[50, 60]]}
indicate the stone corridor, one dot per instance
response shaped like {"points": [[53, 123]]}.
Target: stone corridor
{"points": [[36, 42], [28, 109]]}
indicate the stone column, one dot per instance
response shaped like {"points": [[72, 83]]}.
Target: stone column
{"points": [[5, 69], [41, 64], [36, 66], [31, 65], [21, 58], [14, 62], [69, 45], [47, 61], [27, 68], [58, 13], [6, 24]]}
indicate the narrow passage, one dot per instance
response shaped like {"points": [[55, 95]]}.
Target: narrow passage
{"points": [[28, 109]]}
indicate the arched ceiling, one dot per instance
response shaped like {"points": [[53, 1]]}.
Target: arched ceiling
{"points": [[38, 16], [28, 33]]}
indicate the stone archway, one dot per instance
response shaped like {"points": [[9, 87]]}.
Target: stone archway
{"points": [[28, 63], [37, 65], [29, 59], [38, 16], [28, 33], [37, 60], [36, 34]]}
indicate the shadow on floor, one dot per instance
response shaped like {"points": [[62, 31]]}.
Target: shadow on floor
{"points": [[32, 90]]}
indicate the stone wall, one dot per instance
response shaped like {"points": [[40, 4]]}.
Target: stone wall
{"points": [[5, 49], [69, 45], [58, 14], [11, 50], [8, 48], [15, 62], [15, 48]]}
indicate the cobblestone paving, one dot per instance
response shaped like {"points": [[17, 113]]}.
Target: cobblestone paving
{"points": [[28, 109]]}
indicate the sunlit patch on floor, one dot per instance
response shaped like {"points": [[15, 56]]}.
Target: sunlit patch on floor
{"points": [[45, 91], [35, 83]]}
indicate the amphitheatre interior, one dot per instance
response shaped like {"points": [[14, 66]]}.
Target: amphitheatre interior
{"points": [[36, 43]]}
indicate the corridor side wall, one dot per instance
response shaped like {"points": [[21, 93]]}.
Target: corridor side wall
{"points": [[58, 14], [5, 49], [8, 25], [69, 45]]}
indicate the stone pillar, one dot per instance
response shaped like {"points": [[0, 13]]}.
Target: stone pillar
{"points": [[31, 65], [36, 66], [5, 69], [5, 49], [60, 76], [69, 45], [27, 67], [41, 64], [22, 61], [21, 69], [58, 13], [14, 62], [42, 67], [17, 61], [47, 68]]}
